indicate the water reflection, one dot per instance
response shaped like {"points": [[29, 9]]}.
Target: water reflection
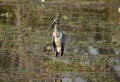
{"points": [[116, 67], [52, 79], [65, 77], [92, 50], [77, 79]]}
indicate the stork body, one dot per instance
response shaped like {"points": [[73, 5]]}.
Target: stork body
{"points": [[57, 38]]}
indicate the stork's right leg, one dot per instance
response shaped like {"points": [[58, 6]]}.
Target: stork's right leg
{"points": [[56, 53]]}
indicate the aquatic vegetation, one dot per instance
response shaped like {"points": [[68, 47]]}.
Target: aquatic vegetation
{"points": [[26, 51]]}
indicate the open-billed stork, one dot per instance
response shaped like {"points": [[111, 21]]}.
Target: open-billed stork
{"points": [[57, 38]]}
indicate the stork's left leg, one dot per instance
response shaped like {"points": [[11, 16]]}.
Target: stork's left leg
{"points": [[55, 49]]}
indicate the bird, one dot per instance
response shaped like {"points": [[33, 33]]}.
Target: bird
{"points": [[58, 40]]}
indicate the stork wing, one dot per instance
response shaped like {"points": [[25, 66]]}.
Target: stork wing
{"points": [[63, 38]]}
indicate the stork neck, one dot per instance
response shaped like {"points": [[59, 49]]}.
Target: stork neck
{"points": [[56, 27]]}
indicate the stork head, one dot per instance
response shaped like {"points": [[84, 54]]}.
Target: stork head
{"points": [[55, 22]]}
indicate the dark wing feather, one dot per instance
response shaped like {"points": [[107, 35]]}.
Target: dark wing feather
{"points": [[62, 49]]}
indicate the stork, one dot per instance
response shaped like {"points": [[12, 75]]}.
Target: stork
{"points": [[57, 38]]}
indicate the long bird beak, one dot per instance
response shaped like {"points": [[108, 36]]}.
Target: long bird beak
{"points": [[56, 21], [53, 23]]}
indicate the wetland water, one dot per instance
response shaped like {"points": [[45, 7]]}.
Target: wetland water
{"points": [[66, 77], [79, 57], [92, 50]]}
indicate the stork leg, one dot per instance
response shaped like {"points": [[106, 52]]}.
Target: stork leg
{"points": [[56, 53], [55, 49]]}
